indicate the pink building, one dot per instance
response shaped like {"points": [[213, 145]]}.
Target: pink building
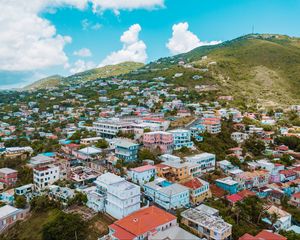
{"points": [[8, 176], [162, 140]]}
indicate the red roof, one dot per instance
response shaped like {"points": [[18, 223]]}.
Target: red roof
{"points": [[142, 221], [193, 183], [143, 168], [266, 235], [296, 195], [216, 191], [121, 233], [234, 198], [288, 173], [263, 235], [247, 236], [246, 193]]}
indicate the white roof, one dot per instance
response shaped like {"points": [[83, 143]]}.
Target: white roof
{"points": [[90, 150], [7, 210], [109, 178], [7, 170]]}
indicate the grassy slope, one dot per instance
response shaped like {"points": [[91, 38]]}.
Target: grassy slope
{"points": [[90, 75], [31, 229], [262, 69], [48, 82], [104, 72]]}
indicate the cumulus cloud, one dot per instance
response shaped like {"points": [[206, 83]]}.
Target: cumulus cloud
{"points": [[133, 48], [83, 52], [117, 5], [183, 40], [80, 66], [28, 41]]}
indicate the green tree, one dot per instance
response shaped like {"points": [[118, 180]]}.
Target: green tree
{"points": [[65, 226], [20, 201], [102, 143]]}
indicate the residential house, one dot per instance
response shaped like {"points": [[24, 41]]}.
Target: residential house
{"points": [[228, 184], [8, 176], [126, 150], [142, 224], [248, 180], [45, 176], [9, 215], [283, 218], [143, 174], [166, 194], [199, 190], [295, 200], [206, 223]]}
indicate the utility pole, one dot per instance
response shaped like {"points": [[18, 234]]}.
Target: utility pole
{"points": [[252, 29]]}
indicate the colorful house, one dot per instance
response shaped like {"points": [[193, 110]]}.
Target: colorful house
{"points": [[228, 184], [126, 150], [159, 139], [199, 190], [143, 174], [166, 194], [8, 176], [182, 138]]}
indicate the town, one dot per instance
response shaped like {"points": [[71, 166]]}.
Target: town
{"points": [[147, 159]]}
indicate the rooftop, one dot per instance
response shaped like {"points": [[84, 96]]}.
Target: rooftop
{"points": [[142, 221], [7, 170], [143, 168]]}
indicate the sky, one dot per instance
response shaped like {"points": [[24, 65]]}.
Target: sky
{"points": [[39, 38]]}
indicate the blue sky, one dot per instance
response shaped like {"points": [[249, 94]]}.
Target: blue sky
{"points": [[71, 25]]}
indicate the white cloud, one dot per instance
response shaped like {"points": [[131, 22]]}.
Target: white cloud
{"points": [[80, 66], [183, 40], [133, 49], [86, 25], [83, 52], [28, 41], [117, 5]]}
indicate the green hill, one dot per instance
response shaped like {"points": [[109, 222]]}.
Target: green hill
{"points": [[104, 72], [90, 75], [48, 82], [261, 69]]}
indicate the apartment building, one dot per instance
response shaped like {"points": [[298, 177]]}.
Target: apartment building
{"points": [[207, 161], [212, 125], [228, 184], [205, 222], [159, 139], [121, 197], [45, 176], [110, 128], [182, 138]]}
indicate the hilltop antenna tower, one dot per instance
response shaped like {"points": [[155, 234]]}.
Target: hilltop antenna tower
{"points": [[252, 29]]}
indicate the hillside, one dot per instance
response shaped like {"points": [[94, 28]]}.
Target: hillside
{"points": [[90, 75], [104, 72], [262, 69], [48, 82]]}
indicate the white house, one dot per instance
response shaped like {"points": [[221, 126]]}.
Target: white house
{"points": [[45, 176], [143, 174], [206, 160], [121, 197]]}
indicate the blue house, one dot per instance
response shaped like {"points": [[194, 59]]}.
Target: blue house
{"points": [[228, 184], [126, 150]]}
